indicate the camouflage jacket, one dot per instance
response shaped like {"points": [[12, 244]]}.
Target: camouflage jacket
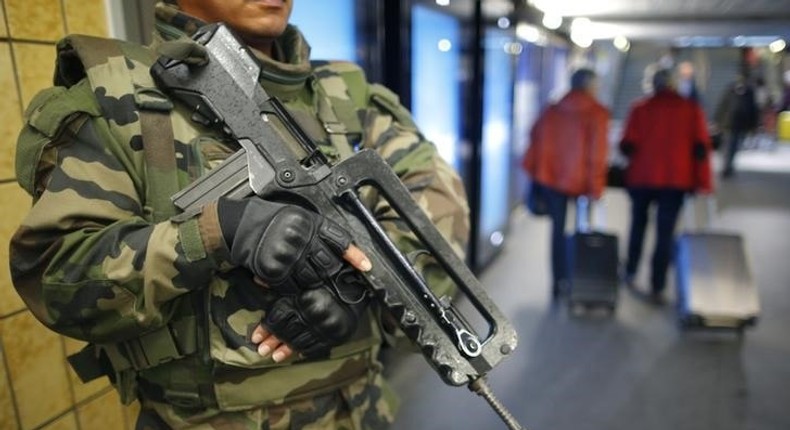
{"points": [[98, 259]]}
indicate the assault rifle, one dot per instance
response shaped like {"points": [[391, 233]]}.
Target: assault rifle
{"points": [[278, 159]]}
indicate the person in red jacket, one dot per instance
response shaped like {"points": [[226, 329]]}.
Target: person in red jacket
{"points": [[667, 143], [567, 155]]}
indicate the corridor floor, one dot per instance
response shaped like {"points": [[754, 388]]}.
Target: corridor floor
{"points": [[635, 369]]}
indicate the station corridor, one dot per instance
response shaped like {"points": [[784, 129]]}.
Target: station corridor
{"points": [[636, 369]]}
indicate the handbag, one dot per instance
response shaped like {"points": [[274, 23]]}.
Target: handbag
{"points": [[536, 200]]}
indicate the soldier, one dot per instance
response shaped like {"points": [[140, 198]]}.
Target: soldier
{"points": [[170, 306]]}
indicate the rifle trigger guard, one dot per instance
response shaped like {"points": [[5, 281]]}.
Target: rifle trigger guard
{"points": [[344, 297], [414, 255]]}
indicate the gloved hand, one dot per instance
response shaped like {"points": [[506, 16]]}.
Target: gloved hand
{"points": [[299, 254], [314, 321]]}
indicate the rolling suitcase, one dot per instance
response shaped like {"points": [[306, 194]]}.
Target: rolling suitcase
{"points": [[715, 287], [593, 258]]}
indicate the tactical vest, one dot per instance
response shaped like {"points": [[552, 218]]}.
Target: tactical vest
{"points": [[184, 339]]}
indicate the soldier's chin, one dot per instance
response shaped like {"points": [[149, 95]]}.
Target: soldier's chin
{"points": [[270, 3], [263, 29]]}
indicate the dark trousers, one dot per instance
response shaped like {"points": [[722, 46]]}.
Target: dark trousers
{"points": [[669, 204], [558, 210], [736, 138]]}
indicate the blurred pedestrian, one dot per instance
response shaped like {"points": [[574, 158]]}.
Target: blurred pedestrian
{"points": [[567, 155], [687, 82], [737, 114], [667, 144]]}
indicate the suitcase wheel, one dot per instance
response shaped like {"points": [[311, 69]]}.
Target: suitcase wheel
{"points": [[691, 321], [579, 306]]}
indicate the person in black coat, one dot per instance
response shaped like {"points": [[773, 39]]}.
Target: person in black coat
{"points": [[738, 115]]}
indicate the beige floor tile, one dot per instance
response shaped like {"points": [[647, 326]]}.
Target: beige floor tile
{"points": [[15, 205], [66, 422], [11, 121], [82, 390], [36, 366], [86, 17], [105, 412], [35, 19], [35, 64], [7, 414]]}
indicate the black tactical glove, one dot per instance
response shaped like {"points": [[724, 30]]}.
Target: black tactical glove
{"points": [[298, 253], [314, 321]]}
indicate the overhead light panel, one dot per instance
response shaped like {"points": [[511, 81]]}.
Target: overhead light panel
{"points": [[541, 5], [443, 2]]}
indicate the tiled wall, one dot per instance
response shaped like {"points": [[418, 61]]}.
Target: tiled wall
{"points": [[38, 390]]}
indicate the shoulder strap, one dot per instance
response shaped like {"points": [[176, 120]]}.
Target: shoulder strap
{"points": [[124, 67], [339, 87]]}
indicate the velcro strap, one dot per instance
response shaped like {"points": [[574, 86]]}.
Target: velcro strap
{"points": [[171, 342], [51, 108]]}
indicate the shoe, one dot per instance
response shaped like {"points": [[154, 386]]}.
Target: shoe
{"points": [[559, 289], [629, 279], [656, 298]]}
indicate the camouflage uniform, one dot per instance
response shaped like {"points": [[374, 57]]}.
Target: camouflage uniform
{"points": [[100, 258]]}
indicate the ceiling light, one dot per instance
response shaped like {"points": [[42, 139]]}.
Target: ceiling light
{"points": [[445, 45], [514, 48], [621, 43], [443, 2], [552, 21], [528, 32], [581, 32], [777, 46]]}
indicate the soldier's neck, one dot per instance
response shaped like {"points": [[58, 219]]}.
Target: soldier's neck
{"points": [[263, 45]]}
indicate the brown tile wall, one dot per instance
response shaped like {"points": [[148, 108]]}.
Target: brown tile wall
{"points": [[38, 390]]}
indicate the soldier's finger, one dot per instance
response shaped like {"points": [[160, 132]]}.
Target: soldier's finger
{"points": [[268, 345], [282, 353], [357, 258], [259, 334]]}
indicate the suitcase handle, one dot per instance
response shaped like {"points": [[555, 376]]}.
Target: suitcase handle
{"points": [[586, 221], [690, 216]]}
